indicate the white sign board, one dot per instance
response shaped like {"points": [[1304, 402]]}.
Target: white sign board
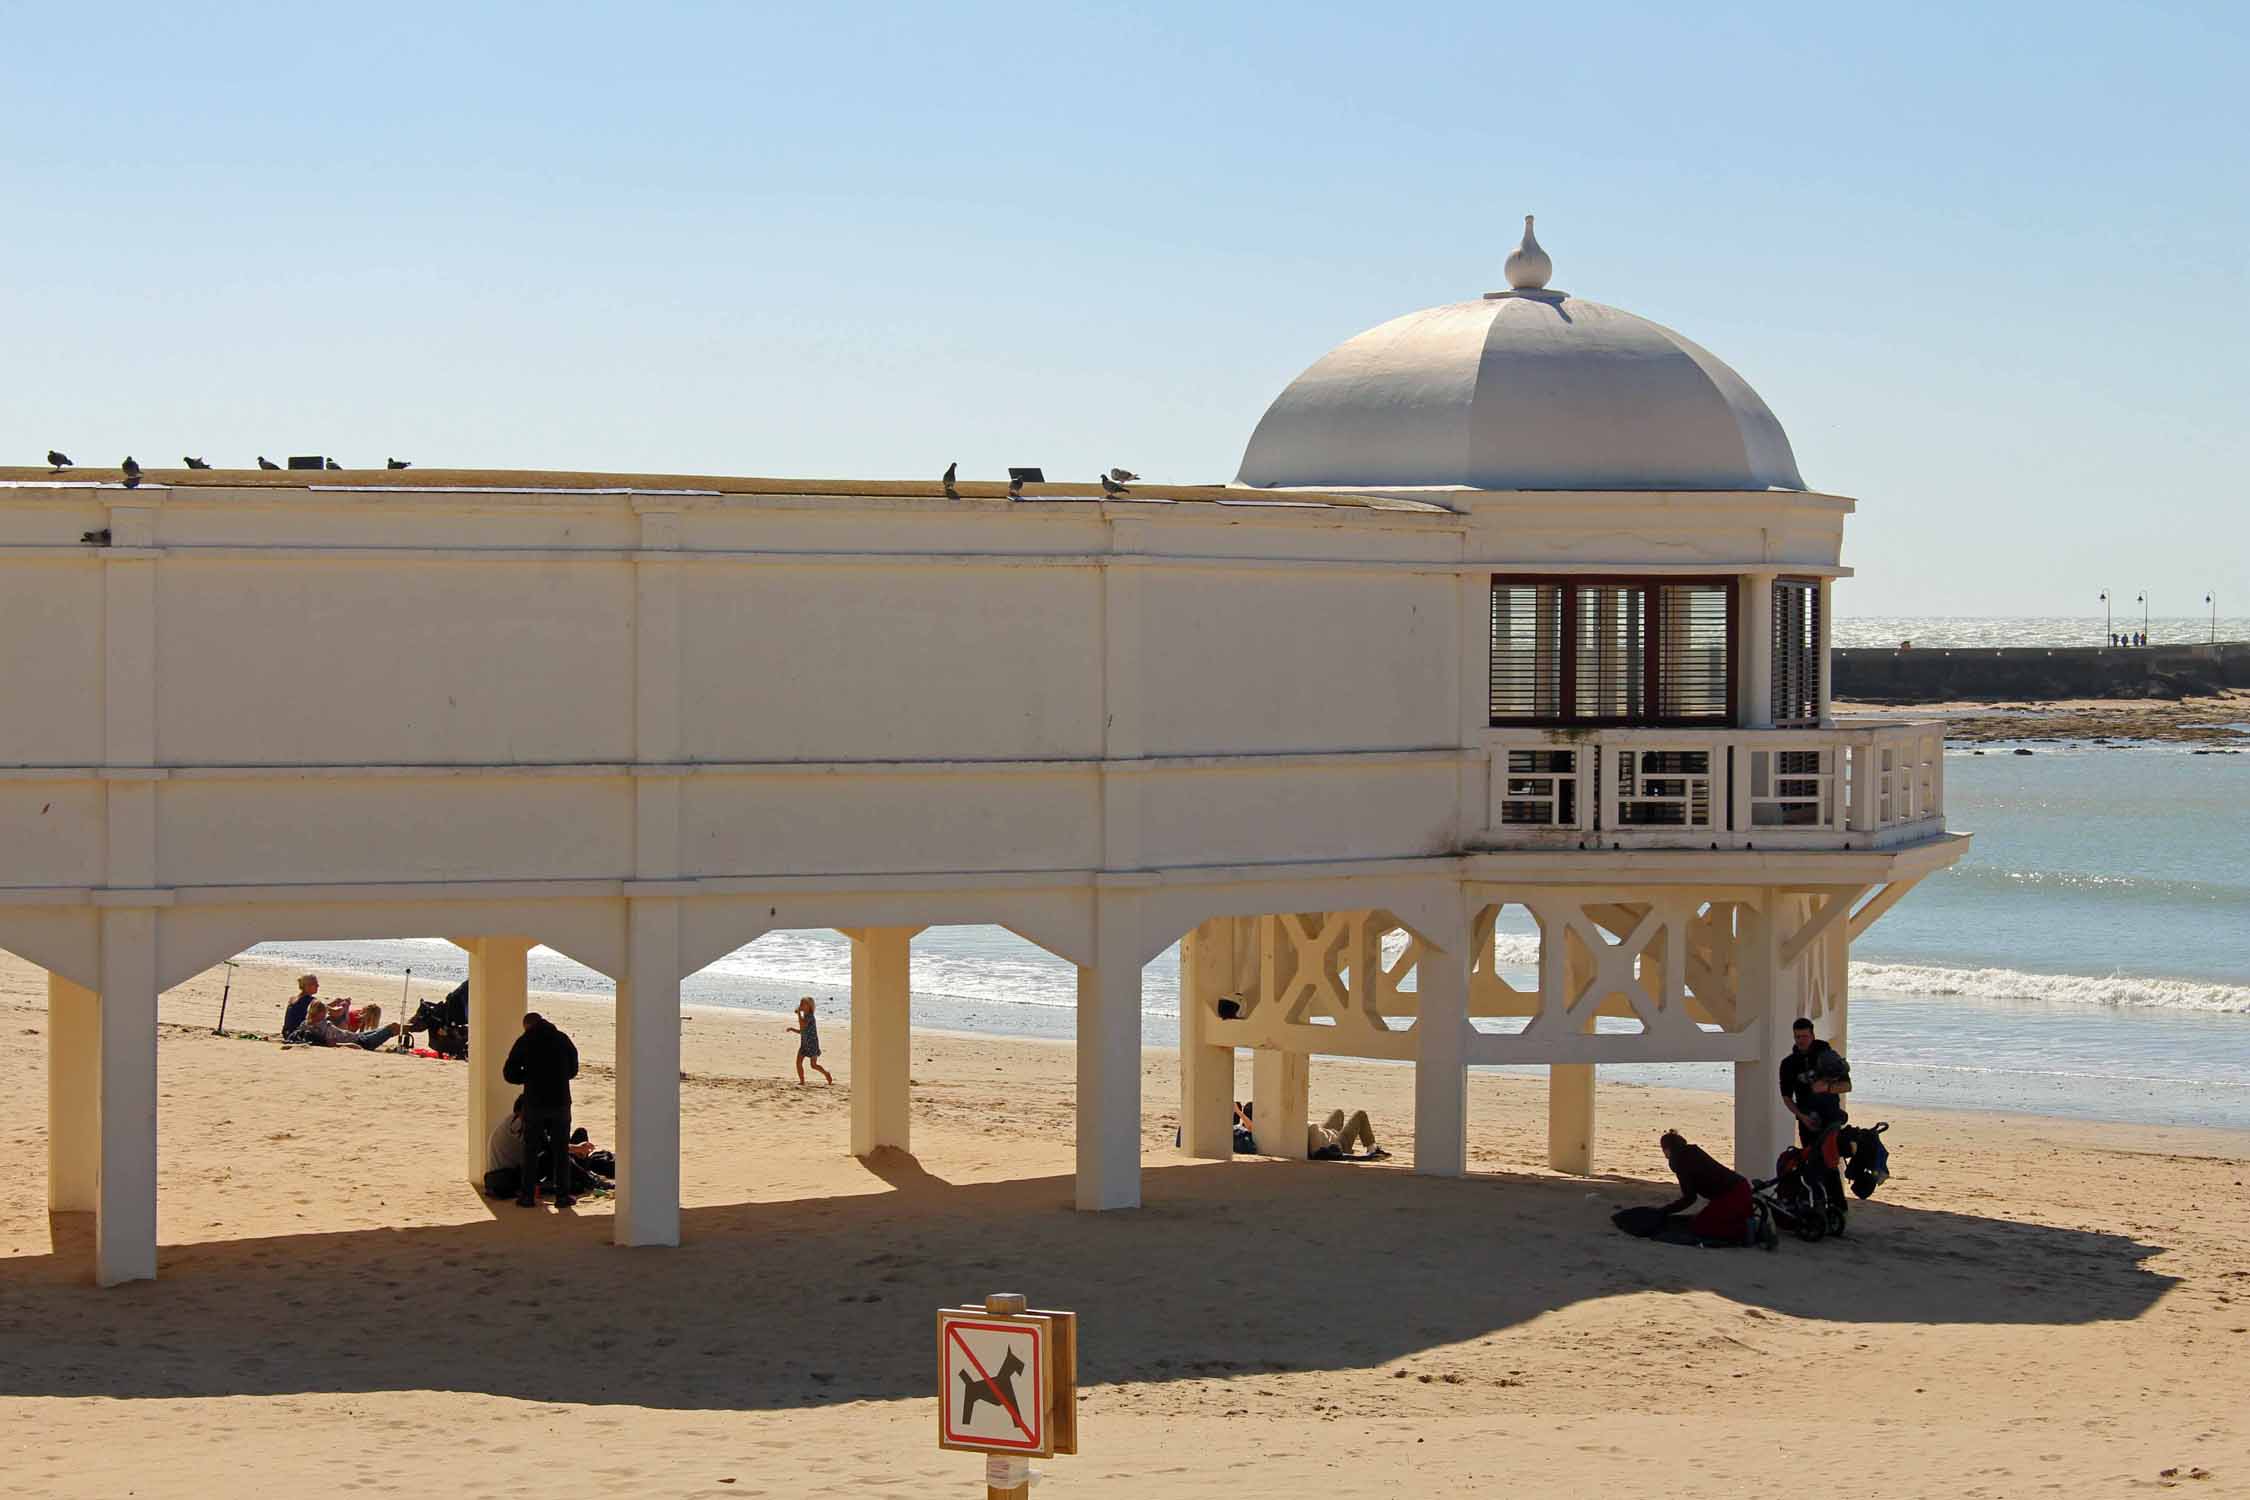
{"points": [[995, 1382]]}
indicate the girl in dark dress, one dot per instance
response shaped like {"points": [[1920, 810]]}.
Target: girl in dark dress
{"points": [[808, 1041]]}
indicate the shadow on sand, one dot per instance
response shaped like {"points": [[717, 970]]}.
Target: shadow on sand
{"points": [[1246, 1266]]}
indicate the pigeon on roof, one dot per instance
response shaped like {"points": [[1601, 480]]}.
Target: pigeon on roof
{"points": [[57, 459], [1112, 487], [333, 464], [196, 463], [950, 492], [1015, 488], [266, 463], [1123, 476], [132, 469], [397, 463]]}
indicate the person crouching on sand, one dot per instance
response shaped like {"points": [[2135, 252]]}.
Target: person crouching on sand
{"points": [[808, 1041]]}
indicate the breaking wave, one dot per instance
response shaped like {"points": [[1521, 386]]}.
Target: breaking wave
{"points": [[1926, 981]]}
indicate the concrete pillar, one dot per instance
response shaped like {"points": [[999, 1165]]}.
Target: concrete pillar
{"points": [[1766, 1004], [1280, 1091], [1207, 973], [1109, 1059], [1570, 1093], [882, 1033], [1754, 685], [648, 1076], [125, 1174], [497, 983], [1441, 1068], [1827, 604], [74, 1081]]}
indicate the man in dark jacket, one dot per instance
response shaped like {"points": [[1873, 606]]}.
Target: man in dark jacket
{"points": [[1814, 1080], [542, 1063]]}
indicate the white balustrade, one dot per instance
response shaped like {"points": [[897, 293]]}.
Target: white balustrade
{"points": [[1852, 786]]}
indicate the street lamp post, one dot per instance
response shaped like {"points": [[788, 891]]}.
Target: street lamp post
{"points": [[2142, 600], [2109, 631], [2212, 601]]}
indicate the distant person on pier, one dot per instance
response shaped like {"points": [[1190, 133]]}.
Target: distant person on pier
{"points": [[1814, 1080], [542, 1063], [808, 1041]]}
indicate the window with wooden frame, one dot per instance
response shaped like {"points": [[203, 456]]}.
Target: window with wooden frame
{"points": [[1612, 650], [1796, 653]]}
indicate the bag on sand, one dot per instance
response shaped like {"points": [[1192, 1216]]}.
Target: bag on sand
{"points": [[502, 1182], [1643, 1221]]}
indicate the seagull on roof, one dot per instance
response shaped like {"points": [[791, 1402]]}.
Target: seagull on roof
{"points": [[266, 463], [397, 463], [333, 464], [1112, 487], [1123, 476], [57, 459], [196, 463]]}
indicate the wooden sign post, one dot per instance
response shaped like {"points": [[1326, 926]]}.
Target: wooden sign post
{"points": [[1007, 1387]]}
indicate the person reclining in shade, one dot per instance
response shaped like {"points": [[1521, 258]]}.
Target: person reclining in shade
{"points": [[1333, 1138], [1726, 1214], [319, 1031]]}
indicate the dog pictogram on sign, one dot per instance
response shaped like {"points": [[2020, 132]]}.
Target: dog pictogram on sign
{"points": [[996, 1382]]}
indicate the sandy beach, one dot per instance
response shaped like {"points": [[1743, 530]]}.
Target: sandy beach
{"points": [[2030, 1306]]}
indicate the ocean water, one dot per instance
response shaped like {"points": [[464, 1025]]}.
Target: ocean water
{"points": [[2090, 958], [2034, 630]]}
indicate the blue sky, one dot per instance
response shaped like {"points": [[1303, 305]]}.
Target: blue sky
{"points": [[1987, 263]]}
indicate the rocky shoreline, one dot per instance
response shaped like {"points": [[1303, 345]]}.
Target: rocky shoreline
{"points": [[2220, 720]]}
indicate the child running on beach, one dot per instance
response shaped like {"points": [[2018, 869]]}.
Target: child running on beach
{"points": [[808, 1041]]}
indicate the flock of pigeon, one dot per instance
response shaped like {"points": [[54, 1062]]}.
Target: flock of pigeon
{"points": [[1113, 483], [59, 461]]}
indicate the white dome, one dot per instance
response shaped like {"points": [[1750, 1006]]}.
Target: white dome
{"points": [[1520, 390]]}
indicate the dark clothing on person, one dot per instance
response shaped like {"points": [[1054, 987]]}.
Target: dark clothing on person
{"points": [[546, 1149], [294, 1016], [1701, 1175], [542, 1063], [808, 1038], [1799, 1069]]}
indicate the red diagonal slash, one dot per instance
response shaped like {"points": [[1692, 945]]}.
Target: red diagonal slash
{"points": [[1006, 1405]]}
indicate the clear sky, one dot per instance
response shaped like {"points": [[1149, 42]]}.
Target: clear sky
{"points": [[1986, 262]]}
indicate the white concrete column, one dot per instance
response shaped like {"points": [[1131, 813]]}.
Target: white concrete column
{"points": [[1109, 1059], [1207, 974], [1755, 647], [74, 1081], [1280, 1099], [1570, 1094], [125, 1175], [497, 985], [1441, 1030], [1766, 1004], [1835, 951], [882, 1035], [648, 1075]]}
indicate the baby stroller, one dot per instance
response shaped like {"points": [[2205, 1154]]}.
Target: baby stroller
{"points": [[1795, 1198], [447, 1022], [1870, 1159]]}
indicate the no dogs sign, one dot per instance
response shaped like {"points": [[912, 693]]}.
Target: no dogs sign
{"points": [[1007, 1380]]}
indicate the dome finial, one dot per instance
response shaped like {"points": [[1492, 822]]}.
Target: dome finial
{"points": [[1528, 266]]}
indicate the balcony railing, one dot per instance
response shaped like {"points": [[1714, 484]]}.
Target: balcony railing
{"points": [[1854, 786]]}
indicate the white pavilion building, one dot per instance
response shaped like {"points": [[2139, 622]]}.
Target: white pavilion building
{"points": [[1515, 622]]}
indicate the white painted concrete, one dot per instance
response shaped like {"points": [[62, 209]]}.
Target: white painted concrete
{"points": [[1207, 974], [882, 1039], [1280, 1101], [1109, 1059], [1441, 1074], [125, 1175], [497, 998], [74, 1121], [648, 1077]]}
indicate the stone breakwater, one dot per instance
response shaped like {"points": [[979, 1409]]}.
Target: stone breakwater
{"points": [[2016, 674]]}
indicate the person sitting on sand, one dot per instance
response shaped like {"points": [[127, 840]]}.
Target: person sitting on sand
{"points": [[1333, 1138], [308, 986], [319, 1031], [808, 1041], [1726, 1214]]}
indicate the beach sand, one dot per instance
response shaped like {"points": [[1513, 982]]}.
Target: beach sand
{"points": [[2031, 1306]]}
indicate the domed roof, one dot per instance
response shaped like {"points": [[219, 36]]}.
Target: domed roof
{"points": [[1527, 389]]}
